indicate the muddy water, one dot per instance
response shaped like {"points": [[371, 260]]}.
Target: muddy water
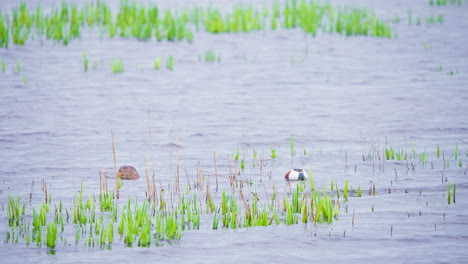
{"points": [[341, 98]]}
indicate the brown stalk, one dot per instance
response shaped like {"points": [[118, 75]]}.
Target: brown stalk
{"points": [[216, 170], [188, 180], [100, 184], [177, 166], [148, 194], [246, 206], [261, 167], [230, 175], [44, 188], [115, 166], [226, 177], [151, 142]]}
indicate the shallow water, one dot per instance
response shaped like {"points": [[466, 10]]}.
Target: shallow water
{"points": [[339, 97]]}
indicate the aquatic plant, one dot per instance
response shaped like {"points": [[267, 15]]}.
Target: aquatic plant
{"points": [[85, 61], [236, 156], [210, 56], [18, 67], [445, 2], [3, 66], [117, 66], [454, 190], [345, 190], [65, 23], [273, 154], [170, 63], [14, 211], [106, 202], [423, 157], [433, 20], [157, 64], [448, 193], [51, 234], [311, 180], [291, 145], [4, 31]]}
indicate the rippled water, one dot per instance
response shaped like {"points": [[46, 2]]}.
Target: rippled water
{"points": [[337, 96]]}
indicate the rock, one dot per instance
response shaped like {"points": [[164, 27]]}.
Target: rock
{"points": [[296, 175], [128, 173]]}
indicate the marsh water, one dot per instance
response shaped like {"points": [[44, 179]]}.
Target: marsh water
{"points": [[340, 98]]}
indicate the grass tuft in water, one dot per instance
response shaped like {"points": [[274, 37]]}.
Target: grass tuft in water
{"points": [[448, 193], [51, 234], [117, 66], [170, 63], [345, 191], [85, 61], [157, 64]]}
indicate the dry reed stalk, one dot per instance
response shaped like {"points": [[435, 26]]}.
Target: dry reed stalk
{"points": [[154, 193], [216, 170], [161, 198], [278, 206], [246, 206], [208, 197], [226, 177], [266, 194], [199, 186], [32, 187], [148, 194], [44, 189], [188, 180], [353, 217], [177, 167], [177, 181], [231, 180], [172, 201], [115, 167], [312, 213], [346, 162], [236, 172], [151, 142], [261, 167], [106, 186], [100, 184]]}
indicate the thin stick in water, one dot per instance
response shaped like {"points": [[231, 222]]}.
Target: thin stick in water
{"points": [[115, 166]]}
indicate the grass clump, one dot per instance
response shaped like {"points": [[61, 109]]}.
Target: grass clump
{"points": [[345, 191], [117, 66], [157, 64], [85, 61], [14, 211], [51, 234], [210, 56], [148, 22], [445, 2], [170, 63]]}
